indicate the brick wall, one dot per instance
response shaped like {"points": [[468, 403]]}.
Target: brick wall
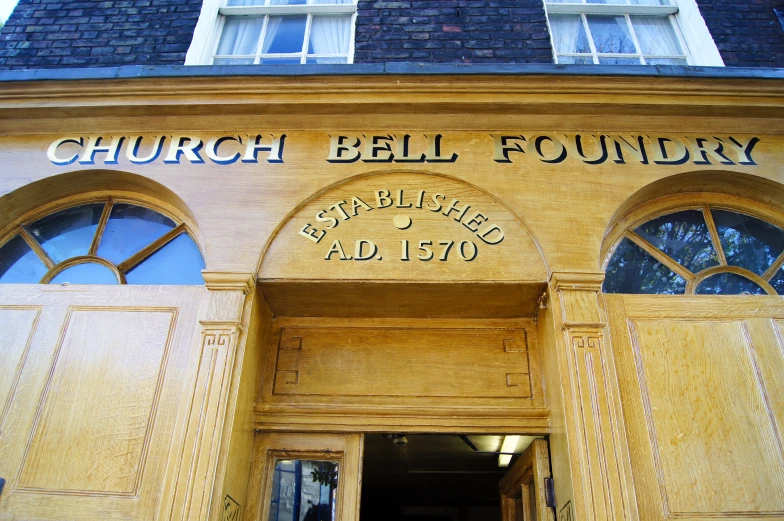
{"points": [[91, 33], [449, 31], [746, 32]]}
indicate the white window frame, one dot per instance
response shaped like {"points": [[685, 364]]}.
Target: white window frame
{"points": [[214, 13], [684, 16]]}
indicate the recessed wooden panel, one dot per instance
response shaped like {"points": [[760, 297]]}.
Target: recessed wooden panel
{"points": [[405, 362], [94, 422], [17, 325], [716, 447]]}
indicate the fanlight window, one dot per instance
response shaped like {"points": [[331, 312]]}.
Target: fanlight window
{"points": [[703, 251], [105, 242]]}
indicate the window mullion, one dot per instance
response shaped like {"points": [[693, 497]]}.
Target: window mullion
{"points": [[34, 245], [714, 234], [129, 263], [660, 256], [774, 268], [637, 46], [588, 33], [262, 36], [107, 209], [308, 25]]}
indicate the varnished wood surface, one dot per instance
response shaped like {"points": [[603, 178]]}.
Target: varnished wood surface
{"points": [[419, 375], [523, 486], [346, 450], [90, 425], [701, 410], [633, 435]]}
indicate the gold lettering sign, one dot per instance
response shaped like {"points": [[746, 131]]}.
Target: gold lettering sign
{"points": [[414, 226], [407, 206]]}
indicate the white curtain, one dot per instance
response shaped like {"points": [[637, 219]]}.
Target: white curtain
{"points": [[656, 36], [240, 35], [568, 32], [330, 34]]}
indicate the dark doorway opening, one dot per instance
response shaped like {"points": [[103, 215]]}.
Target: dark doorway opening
{"points": [[431, 477]]}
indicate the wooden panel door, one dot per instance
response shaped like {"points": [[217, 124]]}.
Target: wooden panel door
{"points": [[703, 399], [524, 489], [91, 382]]}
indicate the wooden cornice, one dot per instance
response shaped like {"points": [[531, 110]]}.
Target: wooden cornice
{"points": [[398, 93]]}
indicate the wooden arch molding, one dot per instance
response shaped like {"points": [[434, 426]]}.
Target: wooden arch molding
{"points": [[402, 243], [756, 195], [51, 194]]}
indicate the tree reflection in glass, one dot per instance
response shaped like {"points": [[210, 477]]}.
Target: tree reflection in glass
{"points": [[683, 236], [632, 270], [303, 490], [748, 242], [728, 284]]}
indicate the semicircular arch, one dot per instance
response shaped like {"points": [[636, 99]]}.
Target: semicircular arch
{"points": [[68, 189], [675, 235], [402, 228]]}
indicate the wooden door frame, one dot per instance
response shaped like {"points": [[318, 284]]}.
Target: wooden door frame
{"points": [[533, 466]]}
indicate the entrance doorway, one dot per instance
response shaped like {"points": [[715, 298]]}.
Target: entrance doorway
{"points": [[448, 477], [398, 477]]}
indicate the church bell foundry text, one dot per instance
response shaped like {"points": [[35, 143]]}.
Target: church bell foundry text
{"points": [[549, 148]]}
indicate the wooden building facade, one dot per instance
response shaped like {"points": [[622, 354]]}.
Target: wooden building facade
{"points": [[545, 255]]}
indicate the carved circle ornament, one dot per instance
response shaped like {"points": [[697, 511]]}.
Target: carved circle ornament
{"points": [[702, 249], [103, 241]]}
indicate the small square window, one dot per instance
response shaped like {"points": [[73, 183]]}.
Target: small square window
{"points": [[616, 32], [282, 32]]}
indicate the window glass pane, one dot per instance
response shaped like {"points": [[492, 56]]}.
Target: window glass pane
{"points": [[666, 61], [280, 61], [304, 490], [129, 229], [330, 35], [287, 2], [748, 242], [87, 273], [777, 282], [19, 263], [285, 34], [651, 2], [244, 2], [575, 59], [233, 61], [324, 61], [684, 236], [656, 35], [728, 284], [632, 270], [606, 1], [569, 33], [619, 61], [68, 233], [611, 34], [179, 262], [240, 35]]}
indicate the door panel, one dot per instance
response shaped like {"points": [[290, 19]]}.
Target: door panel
{"points": [[702, 404], [524, 490], [91, 398]]}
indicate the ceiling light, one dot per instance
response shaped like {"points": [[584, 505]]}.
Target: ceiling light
{"points": [[507, 447]]}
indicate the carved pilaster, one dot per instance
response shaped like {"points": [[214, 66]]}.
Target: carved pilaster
{"points": [[594, 425], [221, 330]]}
